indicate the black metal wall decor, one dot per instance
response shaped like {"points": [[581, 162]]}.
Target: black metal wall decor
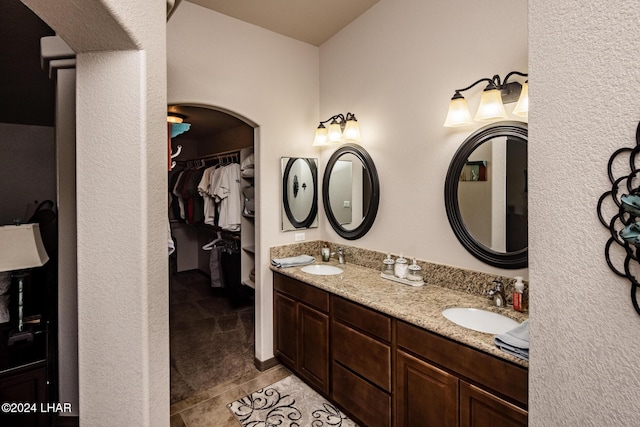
{"points": [[624, 226]]}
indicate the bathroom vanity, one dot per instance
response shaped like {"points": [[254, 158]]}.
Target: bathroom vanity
{"points": [[383, 352]]}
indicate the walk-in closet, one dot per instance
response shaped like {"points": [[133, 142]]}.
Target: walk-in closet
{"points": [[212, 265]]}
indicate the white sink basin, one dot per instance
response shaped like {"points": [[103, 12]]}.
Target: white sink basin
{"points": [[321, 270], [480, 320]]}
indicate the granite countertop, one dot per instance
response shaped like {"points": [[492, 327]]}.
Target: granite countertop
{"points": [[420, 306]]}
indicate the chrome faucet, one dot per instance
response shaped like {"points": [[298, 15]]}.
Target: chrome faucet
{"points": [[497, 294], [340, 253]]}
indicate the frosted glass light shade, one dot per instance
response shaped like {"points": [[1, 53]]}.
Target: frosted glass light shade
{"points": [[352, 131], [321, 136], [21, 247], [491, 107], [335, 132], [458, 114], [522, 107], [174, 118]]}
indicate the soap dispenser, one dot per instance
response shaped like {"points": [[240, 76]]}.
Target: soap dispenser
{"points": [[400, 268], [388, 265], [519, 300], [415, 272]]}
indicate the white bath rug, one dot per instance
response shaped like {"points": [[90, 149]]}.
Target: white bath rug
{"points": [[287, 403]]}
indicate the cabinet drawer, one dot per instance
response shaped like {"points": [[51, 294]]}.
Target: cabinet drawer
{"points": [[364, 401], [363, 318], [496, 374], [306, 293], [362, 354]]}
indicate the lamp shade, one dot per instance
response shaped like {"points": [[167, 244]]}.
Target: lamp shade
{"points": [[321, 136], [491, 107], [458, 114], [21, 247], [522, 107], [335, 131], [352, 131]]}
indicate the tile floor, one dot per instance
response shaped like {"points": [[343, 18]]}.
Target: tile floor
{"points": [[209, 408], [212, 342]]}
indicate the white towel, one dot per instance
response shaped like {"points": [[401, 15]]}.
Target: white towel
{"points": [[293, 261], [515, 341]]}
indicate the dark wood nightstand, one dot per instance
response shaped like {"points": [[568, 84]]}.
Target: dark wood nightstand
{"points": [[23, 376]]}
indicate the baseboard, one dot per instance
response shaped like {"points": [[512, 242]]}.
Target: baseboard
{"points": [[67, 421], [263, 365]]}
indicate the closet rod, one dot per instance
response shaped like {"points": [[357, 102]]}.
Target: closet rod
{"points": [[233, 154]]}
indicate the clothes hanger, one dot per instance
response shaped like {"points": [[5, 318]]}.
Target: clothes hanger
{"points": [[211, 244]]}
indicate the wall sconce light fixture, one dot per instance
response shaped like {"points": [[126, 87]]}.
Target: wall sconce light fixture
{"points": [[491, 107], [341, 129]]}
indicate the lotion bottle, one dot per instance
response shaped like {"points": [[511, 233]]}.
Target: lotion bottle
{"points": [[326, 253], [519, 300]]}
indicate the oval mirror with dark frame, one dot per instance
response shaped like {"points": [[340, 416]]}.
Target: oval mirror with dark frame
{"points": [[485, 194], [299, 193], [351, 191]]}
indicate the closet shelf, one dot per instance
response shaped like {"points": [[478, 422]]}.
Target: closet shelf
{"points": [[248, 215], [250, 248], [250, 283]]}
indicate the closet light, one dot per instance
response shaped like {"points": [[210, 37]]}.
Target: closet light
{"points": [[491, 107], [341, 128], [175, 118]]}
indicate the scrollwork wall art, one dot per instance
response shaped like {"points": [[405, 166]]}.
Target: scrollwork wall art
{"points": [[623, 247]]}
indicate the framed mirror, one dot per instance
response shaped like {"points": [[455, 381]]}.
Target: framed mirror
{"points": [[485, 194], [299, 193], [351, 191]]}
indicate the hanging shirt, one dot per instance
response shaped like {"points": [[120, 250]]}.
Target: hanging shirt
{"points": [[228, 192]]}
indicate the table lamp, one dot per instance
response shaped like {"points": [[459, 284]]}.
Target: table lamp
{"points": [[21, 248]]}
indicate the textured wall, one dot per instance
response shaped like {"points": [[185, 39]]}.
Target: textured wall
{"points": [[585, 335], [123, 337]]}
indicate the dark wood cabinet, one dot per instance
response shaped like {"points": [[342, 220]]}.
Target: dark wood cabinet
{"points": [[425, 395], [444, 383], [479, 408], [385, 372], [286, 329], [313, 347], [25, 384], [301, 324], [361, 362]]}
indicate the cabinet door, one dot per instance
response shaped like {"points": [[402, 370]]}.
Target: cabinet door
{"points": [[479, 408], [25, 386], [285, 313], [425, 395], [313, 351]]}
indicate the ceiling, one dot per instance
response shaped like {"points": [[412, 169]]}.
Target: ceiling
{"points": [[310, 21]]}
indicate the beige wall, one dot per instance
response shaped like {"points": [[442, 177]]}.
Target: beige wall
{"points": [[396, 68], [271, 81], [585, 335]]}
